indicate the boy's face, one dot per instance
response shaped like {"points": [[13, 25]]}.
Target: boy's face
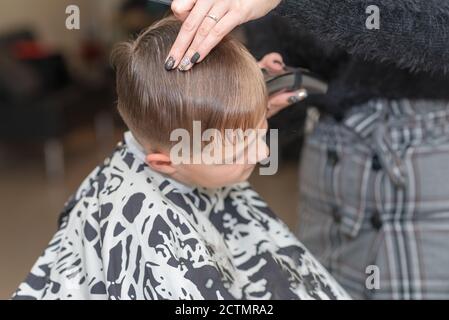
{"points": [[236, 165]]}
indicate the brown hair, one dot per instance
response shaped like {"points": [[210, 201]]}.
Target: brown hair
{"points": [[225, 91]]}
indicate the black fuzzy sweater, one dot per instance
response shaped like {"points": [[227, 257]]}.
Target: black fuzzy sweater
{"points": [[408, 57]]}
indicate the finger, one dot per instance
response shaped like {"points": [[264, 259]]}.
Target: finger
{"points": [[205, 28], [221, 29], [283, 100], [186, 34], [273, 62], [299, 95], [272, 68], [274, 56], [275, 65], [182, 8], [288, 98], [186, 62]]}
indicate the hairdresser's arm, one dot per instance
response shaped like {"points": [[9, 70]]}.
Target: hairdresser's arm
{"points": [[412, 34], [200, 34]]}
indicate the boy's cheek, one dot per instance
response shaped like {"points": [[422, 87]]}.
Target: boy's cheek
{"points": [[208, 176], [238, 173], [225, 175], [215, 176]]}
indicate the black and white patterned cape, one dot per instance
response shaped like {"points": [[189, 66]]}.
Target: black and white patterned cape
{"points": [[130, 233]]}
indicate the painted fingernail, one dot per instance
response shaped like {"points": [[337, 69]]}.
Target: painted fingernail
{"points": [[185, 62], [195, 58], [169, 64], [300, 95], [293, 99]]}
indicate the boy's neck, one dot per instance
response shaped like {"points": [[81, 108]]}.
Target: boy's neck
{"points": [[139, 152]]}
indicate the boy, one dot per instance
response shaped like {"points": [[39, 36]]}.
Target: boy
{"points": [[144, 227]]}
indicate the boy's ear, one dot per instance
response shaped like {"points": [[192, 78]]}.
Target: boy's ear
{"points": [[161, 163]]}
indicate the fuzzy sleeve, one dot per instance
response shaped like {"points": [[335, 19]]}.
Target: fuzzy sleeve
{"points": [[413, 34]]}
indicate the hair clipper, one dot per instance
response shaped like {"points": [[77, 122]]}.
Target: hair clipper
{"points": [[295, 79]]}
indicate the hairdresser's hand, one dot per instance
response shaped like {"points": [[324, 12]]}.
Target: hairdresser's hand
{"points": [[206, 23], [274, 64]]}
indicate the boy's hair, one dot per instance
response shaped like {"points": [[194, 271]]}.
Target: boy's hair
{"points": [[225, 91]]}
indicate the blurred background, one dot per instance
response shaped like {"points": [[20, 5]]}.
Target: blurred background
{"points": [[58, 116]]}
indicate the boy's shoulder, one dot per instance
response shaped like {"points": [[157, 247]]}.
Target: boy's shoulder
{"points": [[124, 192], [122, 183]]}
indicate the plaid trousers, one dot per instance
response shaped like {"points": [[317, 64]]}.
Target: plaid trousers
{"points": [[374, 199]]}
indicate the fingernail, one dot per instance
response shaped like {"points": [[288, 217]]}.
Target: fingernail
{"points": [[300, 95], [169, 63], [185, 62], [293, 99], [195, 58], [278, 62]]}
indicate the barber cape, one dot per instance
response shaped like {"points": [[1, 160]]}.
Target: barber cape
{"points": [[131, 233]]}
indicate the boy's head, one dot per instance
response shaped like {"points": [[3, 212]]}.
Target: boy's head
{"points": [[225, 91]]}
